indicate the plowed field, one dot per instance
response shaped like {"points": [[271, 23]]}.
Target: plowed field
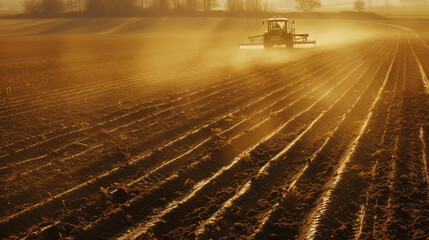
{"points": [[331, 142]]}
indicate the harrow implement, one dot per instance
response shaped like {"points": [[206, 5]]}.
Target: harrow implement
{"points": [[280, 34]]}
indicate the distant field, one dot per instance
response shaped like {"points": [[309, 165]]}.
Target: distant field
{"points": [[403, 13], [7, 13], [399, 13]]}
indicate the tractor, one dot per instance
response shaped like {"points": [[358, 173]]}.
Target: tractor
{"points": [[280, 33]]}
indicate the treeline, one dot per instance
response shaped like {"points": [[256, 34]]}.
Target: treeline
{"points": [[248, 5], [130, 7]]}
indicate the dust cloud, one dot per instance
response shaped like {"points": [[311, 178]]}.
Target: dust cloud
{"points": [[46, 54]]}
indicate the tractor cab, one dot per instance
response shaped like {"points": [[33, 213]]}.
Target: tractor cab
{"points": [[279, 25], [280, 32]]}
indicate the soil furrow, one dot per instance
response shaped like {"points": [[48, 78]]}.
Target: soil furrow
{"points": [[300, 199], [87, 91], [266, 177], [408, 204], [140, 199], [284, 174], [234, 167], [119, 120], [333, 200], [375, 216]]}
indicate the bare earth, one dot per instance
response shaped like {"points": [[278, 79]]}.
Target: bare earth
{"points": [[162, 128]]}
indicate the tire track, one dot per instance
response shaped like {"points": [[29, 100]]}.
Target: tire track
{"points": [[374, 217], [421, 69], [286, 218], [320, 211], [424, 155], [408, 202]]}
